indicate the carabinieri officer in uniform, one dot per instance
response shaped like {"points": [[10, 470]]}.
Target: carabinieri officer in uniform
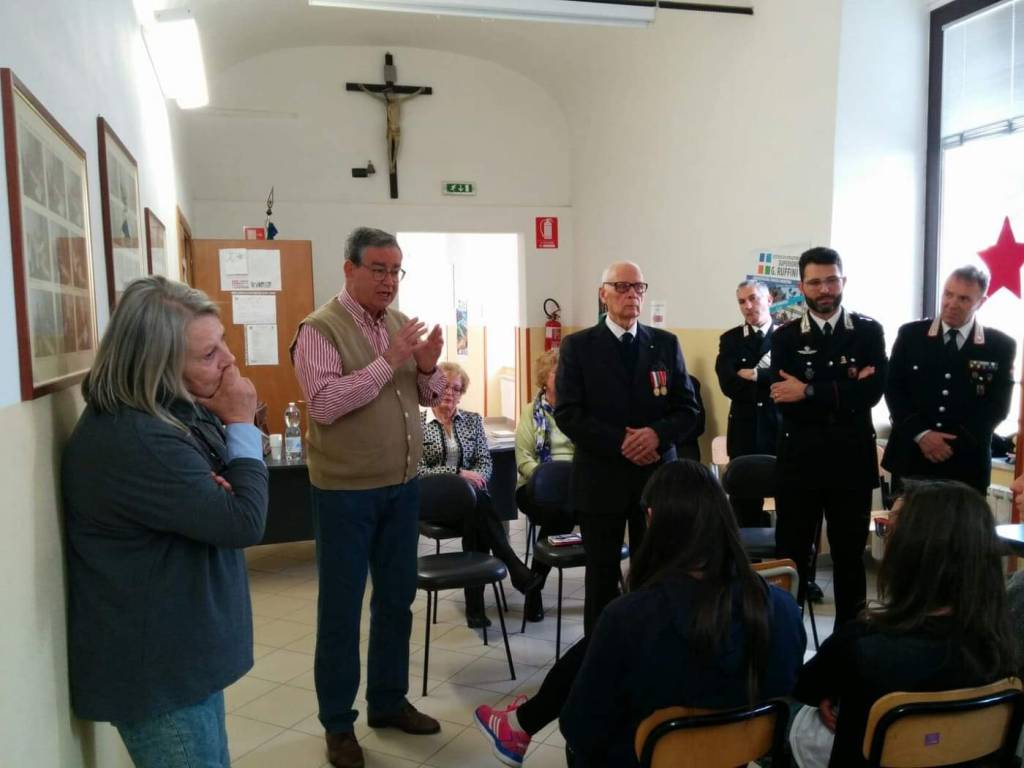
{"points": [[829, 371], [949, 387]]}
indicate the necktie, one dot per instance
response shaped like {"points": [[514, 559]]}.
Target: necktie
{"points": [[758, 333], [628, 351], [827, 329], [951, 342]]}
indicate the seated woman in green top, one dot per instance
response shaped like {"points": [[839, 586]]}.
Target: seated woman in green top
{"points": [[539, 440]]}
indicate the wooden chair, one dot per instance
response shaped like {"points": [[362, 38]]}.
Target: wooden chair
{"points": [[780, 573], [911, 730], [684, 737]]}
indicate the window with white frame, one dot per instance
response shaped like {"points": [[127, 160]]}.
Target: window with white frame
{"points": [[976, 151]]}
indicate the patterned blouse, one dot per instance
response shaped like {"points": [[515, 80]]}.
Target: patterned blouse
{"points": [[474, 454]]}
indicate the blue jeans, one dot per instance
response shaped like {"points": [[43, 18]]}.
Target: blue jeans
{"points": [[356, 530], [190, 737]]}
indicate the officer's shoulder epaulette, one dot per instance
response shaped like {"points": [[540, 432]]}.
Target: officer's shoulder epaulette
{"points": [[863, 318]]}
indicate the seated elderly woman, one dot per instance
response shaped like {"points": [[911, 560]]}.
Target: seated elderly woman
{"points": [[454, 442], [163, 485], [941, 623], [539, 440]]}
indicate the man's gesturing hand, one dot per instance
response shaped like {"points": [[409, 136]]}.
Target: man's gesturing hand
{"points": [[404, 342], [428, 350]]}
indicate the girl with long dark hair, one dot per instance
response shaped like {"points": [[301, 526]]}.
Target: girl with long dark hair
{"points": [[941, 620], [698, 628]]}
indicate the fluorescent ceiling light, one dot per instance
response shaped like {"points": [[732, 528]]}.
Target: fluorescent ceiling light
{"points": [[573, 11], [173, 45]]}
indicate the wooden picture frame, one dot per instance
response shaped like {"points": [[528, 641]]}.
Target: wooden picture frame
{"points": [[156, 245], [48, 197], [122, 212]]}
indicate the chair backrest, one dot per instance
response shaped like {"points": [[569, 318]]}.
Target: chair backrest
{"points": [[750, 477], [684, 737], [719, 453], [445, 492], [551, 483], [781, 573], [907, 730]]}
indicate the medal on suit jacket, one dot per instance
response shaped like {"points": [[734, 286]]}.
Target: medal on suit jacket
{"points": [[659, 381], [982, 372]]}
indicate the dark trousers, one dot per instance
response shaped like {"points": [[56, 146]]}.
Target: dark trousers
{"points": [[602, 543], [358, 530], [550, 521], [847, 513], [482, 531], [546, 705]]}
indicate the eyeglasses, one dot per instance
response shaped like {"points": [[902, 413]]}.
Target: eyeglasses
{"points": [[828, 282], [379, 273], [623, 287], [454, 389]]}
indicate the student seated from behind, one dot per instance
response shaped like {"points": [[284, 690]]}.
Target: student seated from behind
{"points": [[699, 628], [454, 442], [941, 621]]}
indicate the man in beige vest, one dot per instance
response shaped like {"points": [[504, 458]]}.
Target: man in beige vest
{"points": [[364, 369]]}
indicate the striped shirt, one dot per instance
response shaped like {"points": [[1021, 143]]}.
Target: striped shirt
{"points": [[330, 393]]}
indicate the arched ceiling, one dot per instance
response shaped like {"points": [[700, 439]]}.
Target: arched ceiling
{"points": [[548, 53]]}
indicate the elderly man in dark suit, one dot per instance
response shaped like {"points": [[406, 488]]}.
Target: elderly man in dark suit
{"points": [[744, 357], [950, 384], [624, 399], [828, 372]]}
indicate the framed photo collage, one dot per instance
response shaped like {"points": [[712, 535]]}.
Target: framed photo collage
{"points": [[48, 198]]}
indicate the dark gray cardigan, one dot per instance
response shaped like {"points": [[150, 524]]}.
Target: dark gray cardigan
{"points": [[159, 614]]}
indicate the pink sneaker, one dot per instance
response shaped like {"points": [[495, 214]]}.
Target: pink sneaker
{"points": [[508, 744]]}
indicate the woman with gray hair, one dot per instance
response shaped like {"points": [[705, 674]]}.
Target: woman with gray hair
{"points": [[163, 485]]}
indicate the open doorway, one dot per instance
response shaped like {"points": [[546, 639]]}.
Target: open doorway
{"points": [[469, 283]]}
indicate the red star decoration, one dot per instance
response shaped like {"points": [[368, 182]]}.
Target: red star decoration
{"points": [[1004, 260]]}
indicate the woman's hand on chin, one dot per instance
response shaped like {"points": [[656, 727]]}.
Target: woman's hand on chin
{"points": [[234, 402]]}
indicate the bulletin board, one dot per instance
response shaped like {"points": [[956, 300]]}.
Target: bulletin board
{"points": [[239, 276]]}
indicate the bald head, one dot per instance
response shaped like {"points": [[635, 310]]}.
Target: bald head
{"points": [[622, 291], [612, 272]]}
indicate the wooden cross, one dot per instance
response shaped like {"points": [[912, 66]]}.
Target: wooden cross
{"points": [[392, 95]]}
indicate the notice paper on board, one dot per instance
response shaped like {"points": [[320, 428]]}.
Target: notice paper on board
{"points": [[253, 308], [249, 269], [261, 344]]}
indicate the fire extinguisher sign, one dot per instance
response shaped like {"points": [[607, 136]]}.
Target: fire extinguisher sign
{"points": [[547, 231]]}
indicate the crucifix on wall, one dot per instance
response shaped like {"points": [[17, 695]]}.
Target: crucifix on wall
{"points": [[392, 95]]}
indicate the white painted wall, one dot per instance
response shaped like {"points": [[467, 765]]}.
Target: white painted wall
{"points": [[882, 106], [699, 141], [80, 58], [318, 132]]}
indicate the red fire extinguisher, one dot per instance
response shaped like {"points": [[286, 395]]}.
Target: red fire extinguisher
{"points": [[552, 328]]}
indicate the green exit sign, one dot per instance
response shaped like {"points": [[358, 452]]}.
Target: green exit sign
{"points": [[459, 188]]}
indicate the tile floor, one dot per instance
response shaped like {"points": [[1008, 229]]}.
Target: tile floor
{"points": [[272, 718]]}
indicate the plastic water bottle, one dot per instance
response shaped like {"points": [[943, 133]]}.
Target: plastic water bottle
{"points": [[292, 433]]}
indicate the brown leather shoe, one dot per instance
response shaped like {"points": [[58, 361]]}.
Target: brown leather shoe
{"points": [[343, 751], [408, 719]]}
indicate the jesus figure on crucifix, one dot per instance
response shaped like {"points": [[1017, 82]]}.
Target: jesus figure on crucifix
{"points": [[392, 95], [393, 107]]}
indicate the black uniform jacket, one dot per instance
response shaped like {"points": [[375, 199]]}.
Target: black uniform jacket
{"points": [[966, 393], [597, 400], [827, 441], [753, 418]]}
